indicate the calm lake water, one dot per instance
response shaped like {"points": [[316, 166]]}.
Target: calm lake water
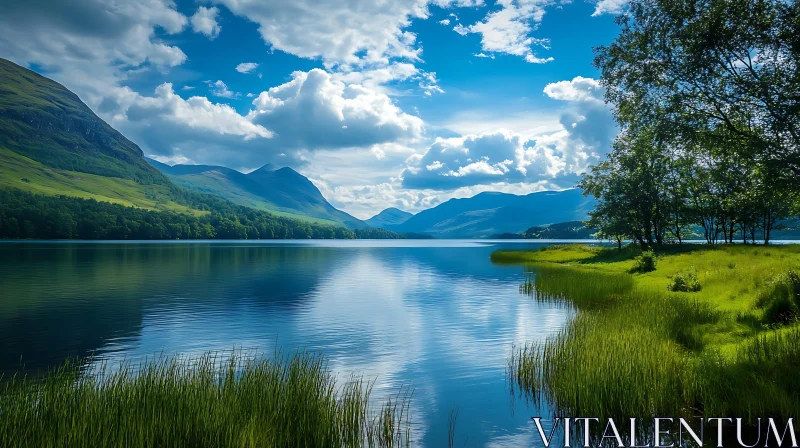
{"points": [[435, 316]]}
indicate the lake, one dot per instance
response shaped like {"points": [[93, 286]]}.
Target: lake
{"points": [[433, 316]]}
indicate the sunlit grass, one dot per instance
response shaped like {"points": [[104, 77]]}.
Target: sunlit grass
{"points": [[210, 400], [635, 348]]}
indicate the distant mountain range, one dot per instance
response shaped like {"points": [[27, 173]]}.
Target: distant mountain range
{"points": [[488, 214], [389, 217], [283, 191], [51, 143]]}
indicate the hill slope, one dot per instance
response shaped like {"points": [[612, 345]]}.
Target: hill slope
{"points": [[43, 121], [389, 217], [282, 191], [58, 156], [488, 214]]}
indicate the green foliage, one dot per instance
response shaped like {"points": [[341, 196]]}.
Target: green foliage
{"points": [[26, 215], [383, 234], [646, 262], [644, 353], [710, 135], [221, 400], [636, 349], [707, 77], [781, 299], [44, 121], [684, 281], [563, 230]]}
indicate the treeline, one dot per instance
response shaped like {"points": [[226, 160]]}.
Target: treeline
{"points": [[707, 97], [32, 216], [383, 234], [25, 215]]}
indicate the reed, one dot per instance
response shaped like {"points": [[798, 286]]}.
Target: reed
{"points": [[637, 349], [215, 399]]}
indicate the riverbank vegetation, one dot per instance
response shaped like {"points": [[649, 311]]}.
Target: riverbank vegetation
{"points": [[728, 345], [27, 215], [705, 94], [209, 400]]}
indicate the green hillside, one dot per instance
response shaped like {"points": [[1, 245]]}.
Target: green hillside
{"points": [[17, 171], [45, 122], [65, 173], [283, 191]]}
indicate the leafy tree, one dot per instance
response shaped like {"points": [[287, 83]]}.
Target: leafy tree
{"points": [[688, 66]]}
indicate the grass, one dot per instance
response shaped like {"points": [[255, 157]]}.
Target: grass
{"points": [[20, 172], [209, 400], [636, 348]]}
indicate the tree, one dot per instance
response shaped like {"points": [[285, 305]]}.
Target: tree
{"points": [[687, 66]]}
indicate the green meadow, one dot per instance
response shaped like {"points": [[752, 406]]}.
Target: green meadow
{"points": [[213, 399], [709, 331], [20, 172]]}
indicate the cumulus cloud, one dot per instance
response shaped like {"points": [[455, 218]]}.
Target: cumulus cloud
{"points": [[205, 21], [445, 22], [317, 110], [578, 89], [246, 67], [91, 45], [193, 129], [354, 32], [470, 160], [586, 130], [220, 89], [609, 7], [508, 30]]}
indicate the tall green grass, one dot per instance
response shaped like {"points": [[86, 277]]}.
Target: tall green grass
{"points": [[219, 400], [644, 352], [581, 288]]}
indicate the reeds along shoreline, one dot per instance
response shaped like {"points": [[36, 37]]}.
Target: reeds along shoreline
{"points": [[633, 350], [220, 400]]}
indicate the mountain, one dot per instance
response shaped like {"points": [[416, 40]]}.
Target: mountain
{"points": [[56, 154], [43, 121], [51, 143], [490, 213], [389, 217], [282, 191]]}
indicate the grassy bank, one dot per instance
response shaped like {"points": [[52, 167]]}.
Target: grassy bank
{"points": [[210, 400], [710, 331]]}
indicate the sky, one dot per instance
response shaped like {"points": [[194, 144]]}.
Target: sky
{"points": [[390, 103]]}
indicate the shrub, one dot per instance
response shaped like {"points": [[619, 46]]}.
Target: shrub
{"points": [[685, 281], [646, 262], [781, 299]]}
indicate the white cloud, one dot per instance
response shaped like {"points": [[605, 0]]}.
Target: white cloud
{"points": [[508, 30], [193, 129], [578, 89], [539, 149], [196, 112], [609, 7], [351, 33], [220, 89], [246, 67], [317, 110], [205, 21], [445, 22], [91, 46]]}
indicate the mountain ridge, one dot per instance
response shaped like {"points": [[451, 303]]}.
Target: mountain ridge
{"points": [[492, 213], [389, 217], [283, 191]]}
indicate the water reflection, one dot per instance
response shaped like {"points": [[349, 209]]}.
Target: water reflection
{"points": [[441, 320]]}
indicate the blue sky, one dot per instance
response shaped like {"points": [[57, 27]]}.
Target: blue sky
{"points": [[381, 104]]}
